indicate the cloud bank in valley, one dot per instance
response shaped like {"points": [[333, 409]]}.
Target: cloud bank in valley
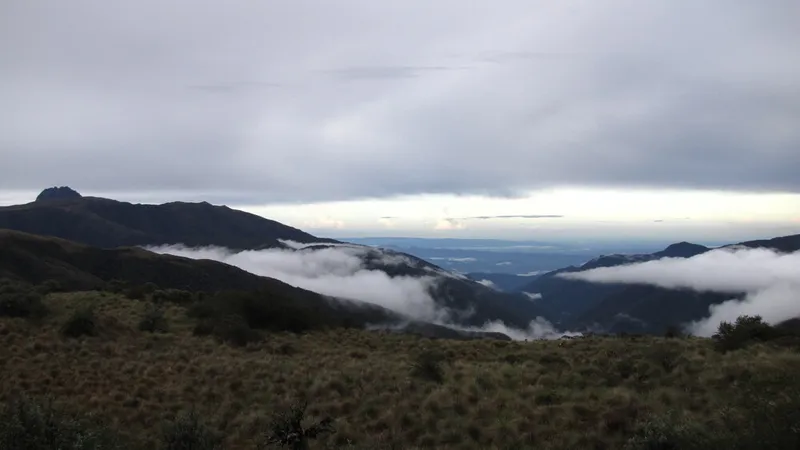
{"points": [[338, 270], [770, 279]]}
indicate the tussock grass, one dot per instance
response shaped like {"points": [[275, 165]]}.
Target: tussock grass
{"points": [[385, 391]]}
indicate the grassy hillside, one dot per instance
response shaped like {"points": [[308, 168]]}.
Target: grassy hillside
{"points": [[70, 266], [395, 391]]}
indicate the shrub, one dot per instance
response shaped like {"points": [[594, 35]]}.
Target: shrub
{"points": [[258, 311], [49, 286], [153, 320], [203, 328], [673, 432], [22, 303], [234, 331], [187, 432], [743, 332], [117, 286], [81, 323], [135, 292], [428, 366], [177, 296], [673, 332], [286, 429], [764, 413], [26, 425]]}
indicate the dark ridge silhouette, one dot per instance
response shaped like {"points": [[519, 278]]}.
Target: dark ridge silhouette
{"points": [[63, 213], [58, 193]]}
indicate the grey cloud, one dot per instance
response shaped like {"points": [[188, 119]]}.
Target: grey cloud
{"points": [[386, 72], [557, 94], [514, 216], [235, 86]]}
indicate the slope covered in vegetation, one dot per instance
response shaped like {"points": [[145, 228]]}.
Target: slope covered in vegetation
{"points": [[144, 365]]}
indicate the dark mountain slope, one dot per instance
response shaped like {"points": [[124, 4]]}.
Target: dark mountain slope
{"points": [[506, 282], [652, 309], [784, 244], [109, 223], [564, 299], [36, 259]]}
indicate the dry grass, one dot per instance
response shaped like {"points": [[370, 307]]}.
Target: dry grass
{"points": [[582, 394]]}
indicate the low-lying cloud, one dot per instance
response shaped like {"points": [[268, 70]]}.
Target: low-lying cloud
{"points": [[336, 271], [339, 270], [533, 296], [539, 328], [513, 216], [488, 283], [771, 281]]}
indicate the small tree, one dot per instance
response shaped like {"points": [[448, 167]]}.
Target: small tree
{"points": [[286, 429], [188, 432], [153, 320], [29, 425], [746, 330], [428, 365], [82, 323]]}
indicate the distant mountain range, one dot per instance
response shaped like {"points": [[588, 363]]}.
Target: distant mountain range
{"points": [[86, 241], [581, 305], [105, 223]]}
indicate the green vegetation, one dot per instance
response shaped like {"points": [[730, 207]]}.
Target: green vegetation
{"points": [[20, 300], [748, 330], [231, 373], [81, 323], [27, 425], [153, 320]]}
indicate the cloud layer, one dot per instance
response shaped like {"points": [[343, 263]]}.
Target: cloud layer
{"points": [[256, 102], [338, 271], [335, 271], [770, 279]]}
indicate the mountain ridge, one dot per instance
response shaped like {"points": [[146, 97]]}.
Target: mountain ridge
{"points": [[582, 305], [107, 223]]}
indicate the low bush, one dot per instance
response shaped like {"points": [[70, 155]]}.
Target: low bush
{"points": [[743, 332], [28, 425], [187, 432], [287, 430], [49, 286], [258, 311], [764, 413], [229, 329], [428, 366], [177, 296], [22, 303], [153, 320], [81, 323]]}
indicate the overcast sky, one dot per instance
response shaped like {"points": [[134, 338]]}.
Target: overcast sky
{"points": [[413, 117]]}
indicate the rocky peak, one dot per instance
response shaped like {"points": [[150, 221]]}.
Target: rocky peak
{"points": [[58, 193]]}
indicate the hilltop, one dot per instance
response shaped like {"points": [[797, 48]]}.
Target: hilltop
{"points": [[102, 222]]}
